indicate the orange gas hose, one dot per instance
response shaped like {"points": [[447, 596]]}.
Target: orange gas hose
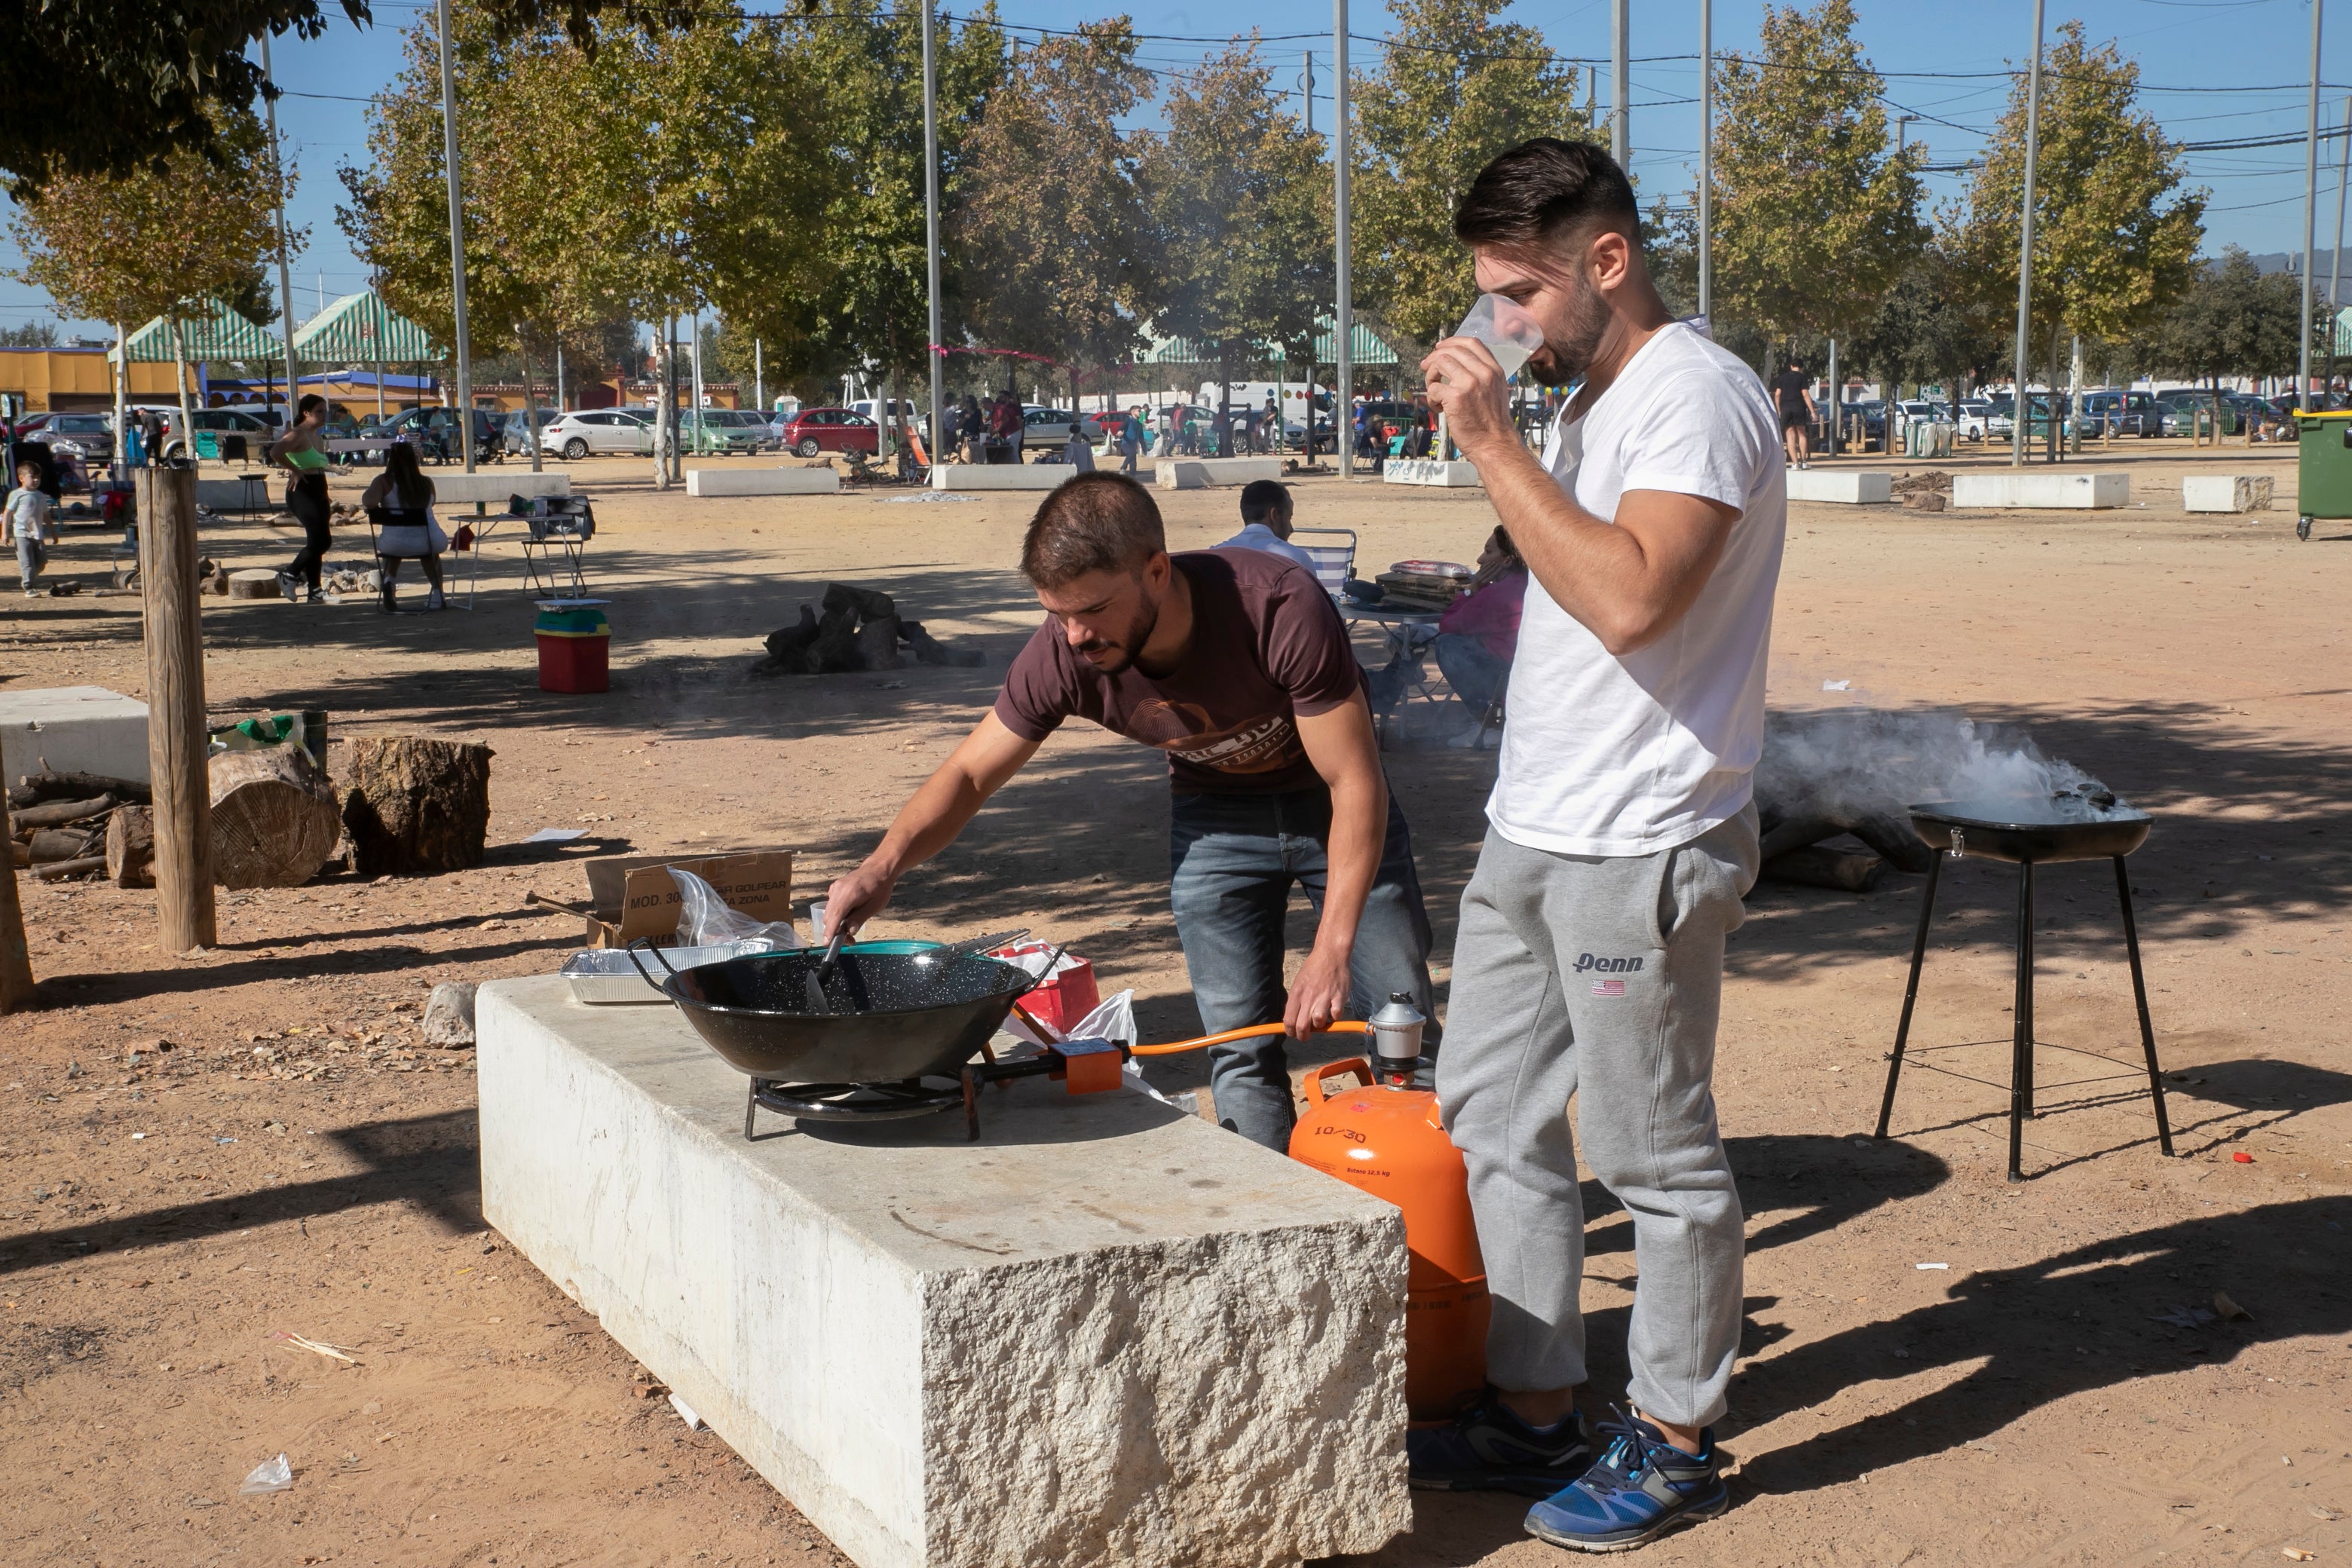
{"points": [[1340, 1027]]}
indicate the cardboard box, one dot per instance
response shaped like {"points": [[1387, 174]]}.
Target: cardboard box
{"points": [[634, 895]]}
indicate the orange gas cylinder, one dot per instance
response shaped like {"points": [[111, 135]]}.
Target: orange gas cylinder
{"points": [[1383, 1135]]}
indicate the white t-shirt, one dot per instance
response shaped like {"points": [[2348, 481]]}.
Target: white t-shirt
{"points": [[1257, 536], [1611, 755]]}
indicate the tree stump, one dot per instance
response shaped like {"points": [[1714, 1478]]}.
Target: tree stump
{"points": [[417, 807], [130, 846], [254, 583], [274, 818]]}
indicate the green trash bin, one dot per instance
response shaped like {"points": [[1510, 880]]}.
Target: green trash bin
{"points": [[2322, 466]]}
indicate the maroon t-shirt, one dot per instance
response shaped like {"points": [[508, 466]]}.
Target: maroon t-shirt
{"points": [[1266, 647]]}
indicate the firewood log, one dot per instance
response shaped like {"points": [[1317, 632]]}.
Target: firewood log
{"points": [[416, 807], [130, 846], [59, 844], [58, 812], [274, 817], [36, 788], [1840, 871]]}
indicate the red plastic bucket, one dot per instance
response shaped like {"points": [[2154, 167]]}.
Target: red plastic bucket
{"points": [[1065, 997], [569, 661]]}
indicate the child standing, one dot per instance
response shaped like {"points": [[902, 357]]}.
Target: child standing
{"points": [[28, 519]]}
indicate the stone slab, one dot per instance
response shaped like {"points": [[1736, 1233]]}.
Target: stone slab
{"points": [[72, 729], [1107, 1333], [1213, 473], [999, 476], [2227, 493], [2062, 491], [1842, 486], [1430, 471], [454, 487], [777, 481]]}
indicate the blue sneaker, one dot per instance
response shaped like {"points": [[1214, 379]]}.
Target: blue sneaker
{"points": [[1487, 1448], [1640, 1488]]}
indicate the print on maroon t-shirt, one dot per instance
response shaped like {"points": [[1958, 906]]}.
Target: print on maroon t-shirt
{"points": [[1266, 646]]}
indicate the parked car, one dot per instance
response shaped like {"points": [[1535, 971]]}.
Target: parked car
{"points": [[212, 424], [90, 436], [1869, 415], [1971, 417], [1043, 426], [601, 431], [2180, 403], [2120, 413], [720, 430], [815, 430], [514, 430]]}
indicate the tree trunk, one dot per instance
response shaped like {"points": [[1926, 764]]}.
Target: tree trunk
{"points": [[180, 369], [176, 743], [274, 818], [15, 960], [529, 404], [130, 846], [122, 408], [662, 433], [417, 807]]}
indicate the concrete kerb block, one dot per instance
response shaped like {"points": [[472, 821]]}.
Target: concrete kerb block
{"points": [[2058, 491], [950, 1354], [493, 487], [72, 729], [1430, 471], [1841, 487], [776, 481], [1214, 473], [2227, 493], [999, 476]]}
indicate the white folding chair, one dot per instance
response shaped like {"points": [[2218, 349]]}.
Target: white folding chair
{"points": [[1334, 562]]}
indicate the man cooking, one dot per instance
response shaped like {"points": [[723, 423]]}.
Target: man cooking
{"points": [[1621, 836], [1233, 663]]}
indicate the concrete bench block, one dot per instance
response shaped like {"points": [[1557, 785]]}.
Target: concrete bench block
{"points": [[1842, 487], [1106, 1332], [454, 487], [781, 482], [1214, 473], [1430, 471], [999, 476], [2227, 493], [2058, 490], [72, 729]]}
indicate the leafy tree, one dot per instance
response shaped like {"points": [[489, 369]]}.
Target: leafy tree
{"points": [[31, 335], [1235, 191], [1458, 88], [871, 310], [2232, 318], [1816, 214], [2114, 234], [1932, 326], [1058, 248], [155, 242]]}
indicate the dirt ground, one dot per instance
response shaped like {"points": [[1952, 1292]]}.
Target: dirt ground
{"points": [[2062, 1391]]}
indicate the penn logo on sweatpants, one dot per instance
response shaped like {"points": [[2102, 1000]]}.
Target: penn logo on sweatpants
{"points": [[1588, 962]]}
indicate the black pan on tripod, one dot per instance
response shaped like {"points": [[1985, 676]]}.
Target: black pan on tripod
{"points": [[890, 1018], [2031, 830]]}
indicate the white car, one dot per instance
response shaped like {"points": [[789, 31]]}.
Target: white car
{"points": [[1975, 420], [622, 431]]}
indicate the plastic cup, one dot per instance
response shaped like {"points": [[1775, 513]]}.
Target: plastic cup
{"points": [[1510, 333]]}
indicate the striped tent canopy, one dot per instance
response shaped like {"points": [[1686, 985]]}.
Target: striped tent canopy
{"points": [[219, 334], [1370, 349], [361, 328]]}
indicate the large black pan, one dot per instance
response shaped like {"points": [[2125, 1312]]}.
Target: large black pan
{"points": [[892, 1015], [2030, 829]]}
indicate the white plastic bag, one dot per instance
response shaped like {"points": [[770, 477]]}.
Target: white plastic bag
{"points": [[705, 921], [269, 1476]]}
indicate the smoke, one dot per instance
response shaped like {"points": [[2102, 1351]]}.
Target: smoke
{"points": [[1852, 763]]}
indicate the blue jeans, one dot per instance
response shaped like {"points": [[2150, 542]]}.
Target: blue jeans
{"points": [[1233, 859], [1474, 672]]}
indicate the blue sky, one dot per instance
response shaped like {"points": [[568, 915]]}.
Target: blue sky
{"points": [[2213, 69]]}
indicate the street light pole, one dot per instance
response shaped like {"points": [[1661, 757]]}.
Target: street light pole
{"points": [[1343, 323], [933, 355], [456, 240], [2310, 216], [1620, 87], [278, 194], [1706, 157], [2025, 245]]}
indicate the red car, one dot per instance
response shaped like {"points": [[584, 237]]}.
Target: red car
{"points": [[815, 430]]}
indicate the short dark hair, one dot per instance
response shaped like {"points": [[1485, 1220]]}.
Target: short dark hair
{"points": [[1092, 522], [1261, 498], [309, 401], [1543, 189]]}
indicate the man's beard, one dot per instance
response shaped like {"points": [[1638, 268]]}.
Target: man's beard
{"points": [[1561, 360], [1138, 632]]}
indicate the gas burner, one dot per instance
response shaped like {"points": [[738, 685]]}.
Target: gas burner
{"points": [[849, 1101]]}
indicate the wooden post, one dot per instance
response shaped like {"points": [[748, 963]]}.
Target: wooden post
{"points": [[175, 707], [15, 963]]}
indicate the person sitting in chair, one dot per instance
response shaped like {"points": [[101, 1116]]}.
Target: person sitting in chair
{"points": [[400, 503], [1265, 524], [1475, 639]]}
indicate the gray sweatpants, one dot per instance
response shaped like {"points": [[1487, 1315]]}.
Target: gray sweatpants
{"points": [[1600, 977]]}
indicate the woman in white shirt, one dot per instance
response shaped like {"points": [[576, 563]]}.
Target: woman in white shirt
{"points": [[400, 501]]}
